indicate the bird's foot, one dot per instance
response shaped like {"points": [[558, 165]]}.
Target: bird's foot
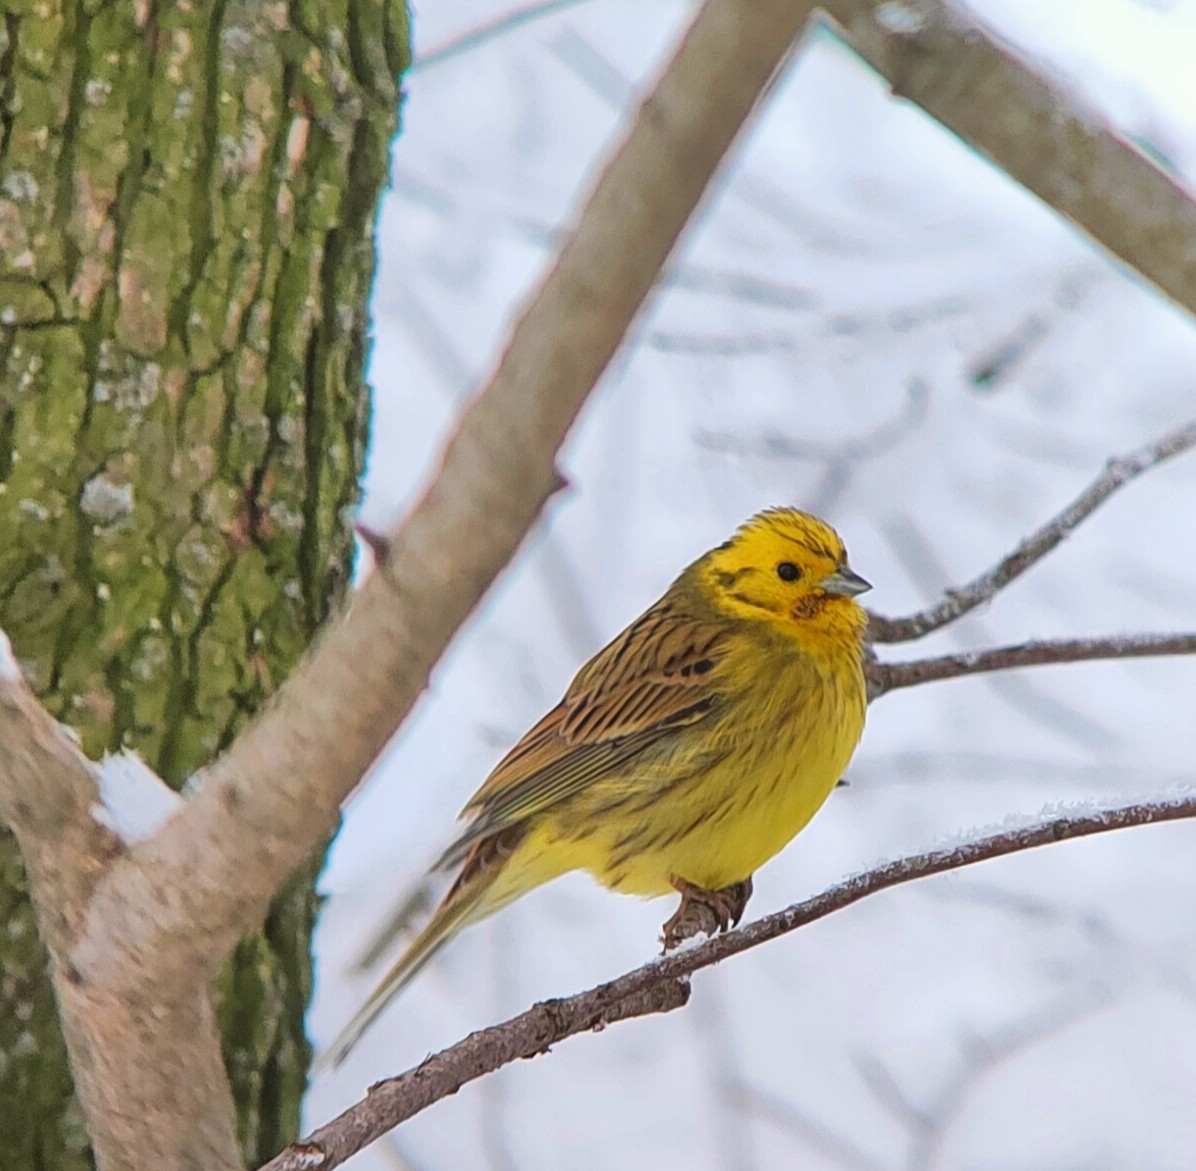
{"points": [[705, 912]]}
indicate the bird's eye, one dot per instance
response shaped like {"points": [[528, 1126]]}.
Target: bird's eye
{"points": [[787, 571]]}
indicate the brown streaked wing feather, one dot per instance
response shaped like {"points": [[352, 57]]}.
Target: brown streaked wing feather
{"points": [[655, 677]]}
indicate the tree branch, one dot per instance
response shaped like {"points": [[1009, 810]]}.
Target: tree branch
{"points": [[886, 677], [1037, 132], [1117, 473], [530, 1034], [397, 1099], [168, 911]]}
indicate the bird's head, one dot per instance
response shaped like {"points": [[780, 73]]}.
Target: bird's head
{"points": [[789, 569]]}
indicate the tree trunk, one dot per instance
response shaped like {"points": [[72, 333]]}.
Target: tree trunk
{"points": [[187, 201]]}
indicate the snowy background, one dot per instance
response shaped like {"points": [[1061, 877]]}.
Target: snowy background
{"points": [[870, 322]]}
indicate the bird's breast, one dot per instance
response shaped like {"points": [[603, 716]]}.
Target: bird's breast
{"points": [[730, 791]]}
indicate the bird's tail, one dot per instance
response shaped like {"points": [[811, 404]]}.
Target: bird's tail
{"points": [[411, 909], [451, 916], [487, 882]]}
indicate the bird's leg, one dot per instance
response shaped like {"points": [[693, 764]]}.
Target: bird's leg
{"points": [[705, 911]]}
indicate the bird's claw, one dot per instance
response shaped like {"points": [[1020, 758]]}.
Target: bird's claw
{"points": [[705, 912]]}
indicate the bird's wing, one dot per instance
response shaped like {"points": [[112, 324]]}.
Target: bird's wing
{"points": [[657, 676]]}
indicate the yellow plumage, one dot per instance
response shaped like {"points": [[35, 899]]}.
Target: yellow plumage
{"points": [[685, 754]]}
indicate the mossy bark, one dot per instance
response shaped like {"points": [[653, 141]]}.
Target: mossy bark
{"points": [[187, 202]]}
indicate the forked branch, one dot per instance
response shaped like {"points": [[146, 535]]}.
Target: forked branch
{"points": [[958, 602]]}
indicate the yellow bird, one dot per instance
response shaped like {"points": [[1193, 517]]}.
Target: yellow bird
{"points": [[684, 755]]}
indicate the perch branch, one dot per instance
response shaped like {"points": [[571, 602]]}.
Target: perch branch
{"points": [[397, 1099], [1117, 473]]}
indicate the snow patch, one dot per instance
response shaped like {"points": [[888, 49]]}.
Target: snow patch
{"points": [[901, 19], [10, 671], [134, 800]]}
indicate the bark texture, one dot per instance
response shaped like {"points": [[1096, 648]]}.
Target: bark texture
{"points": [[187, 200]]}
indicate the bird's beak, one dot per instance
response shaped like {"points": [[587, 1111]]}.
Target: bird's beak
{"points": [[845, 582]]}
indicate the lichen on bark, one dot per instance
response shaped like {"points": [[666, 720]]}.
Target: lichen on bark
{"points": [[187, 199]]}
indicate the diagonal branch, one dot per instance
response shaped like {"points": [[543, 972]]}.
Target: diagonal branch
{"points": [[936, 55], [397, 1099], [885, 677], [168, 911], [1117, 473]]}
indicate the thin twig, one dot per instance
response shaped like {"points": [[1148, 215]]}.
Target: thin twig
{"points": [[499, 26], [886, 677], [980, 1060], [530, 1034], [663, 984], [830, 1146], [872, 443], [1117, 473], [920, 558]]}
